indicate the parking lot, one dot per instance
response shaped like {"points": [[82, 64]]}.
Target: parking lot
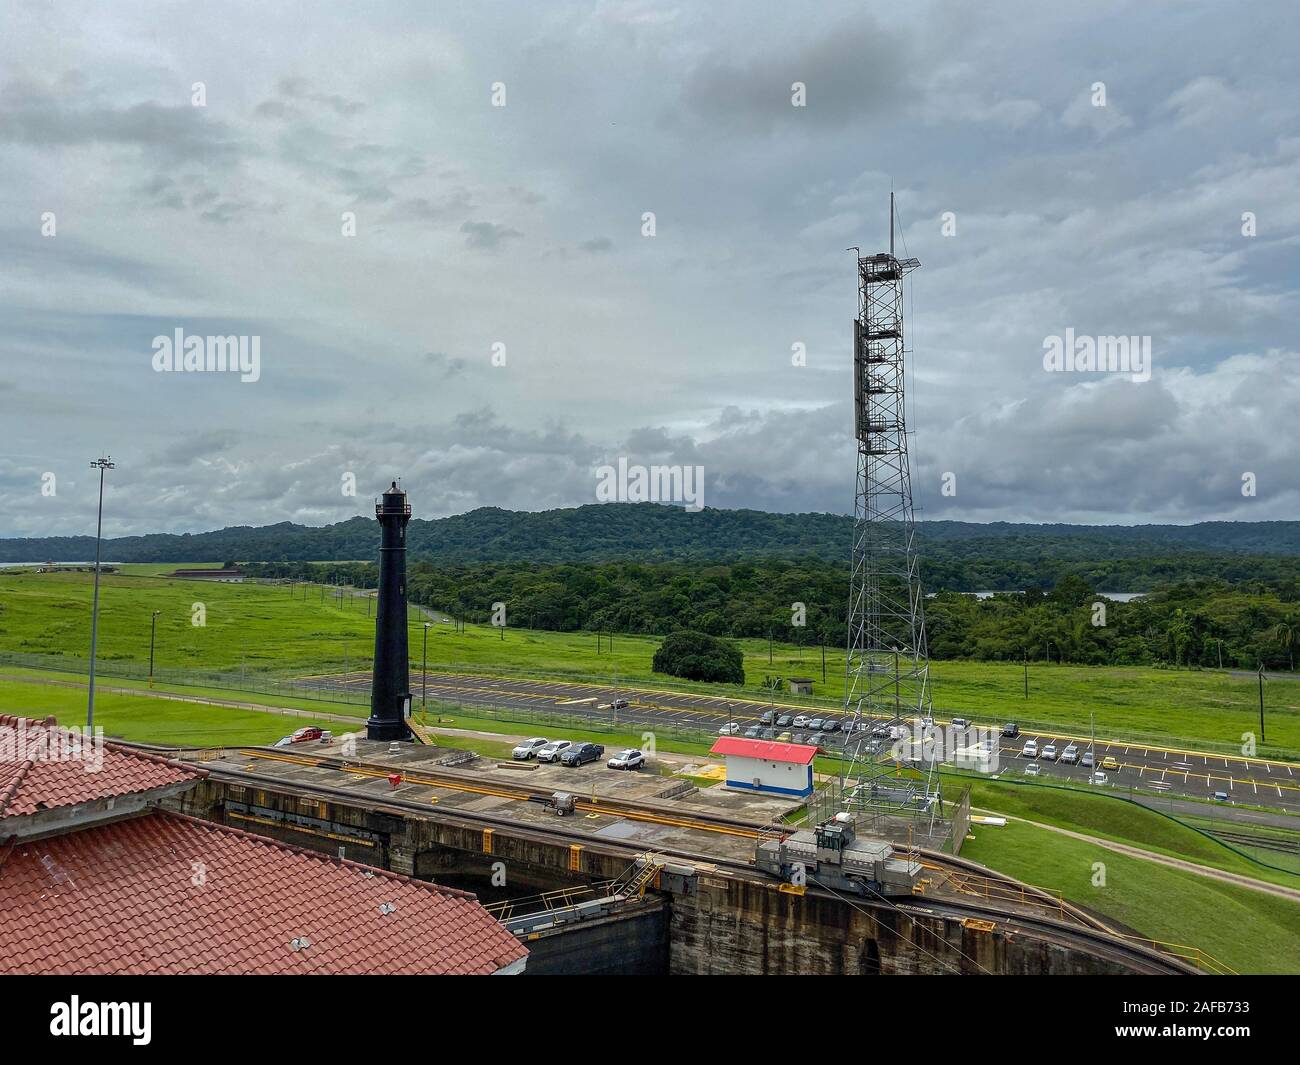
{"points": [[1161, 770]]}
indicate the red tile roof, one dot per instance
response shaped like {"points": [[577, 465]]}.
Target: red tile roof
{"points": [[30, 782], [170, 894], [769, 750]]}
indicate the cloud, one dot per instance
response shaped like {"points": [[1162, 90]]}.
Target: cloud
{"points": [[497, 327], [488, 236]]}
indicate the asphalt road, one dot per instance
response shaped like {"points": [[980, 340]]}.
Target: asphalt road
{"points": [[1159, 770]]}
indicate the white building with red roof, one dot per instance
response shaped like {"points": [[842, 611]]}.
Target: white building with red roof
{"points": [[767, 765]]}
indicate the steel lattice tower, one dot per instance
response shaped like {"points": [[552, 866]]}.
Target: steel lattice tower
{"points": [[887, 664]]}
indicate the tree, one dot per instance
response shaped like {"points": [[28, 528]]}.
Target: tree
{"points": [[1286, 633], [699, 656]]}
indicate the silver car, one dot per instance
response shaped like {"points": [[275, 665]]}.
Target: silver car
{"points": [[551, 752]]}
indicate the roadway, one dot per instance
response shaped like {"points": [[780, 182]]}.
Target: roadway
{"points": [[1171, 771]]}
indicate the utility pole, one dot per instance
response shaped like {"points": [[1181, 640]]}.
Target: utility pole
{"points": [[101, 464], [1261, 701], [1026, 672], [1092, 740], [153, 630], [769, 646], [424, 682]]}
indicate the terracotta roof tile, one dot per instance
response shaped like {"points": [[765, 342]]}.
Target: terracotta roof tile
{"points": [[171, 894], [31, 784]]}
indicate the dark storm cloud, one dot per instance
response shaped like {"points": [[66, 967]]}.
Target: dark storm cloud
{"points": [[850, 70], [488, 236]]}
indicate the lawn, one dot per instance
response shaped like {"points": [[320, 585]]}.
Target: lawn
{"points": [[254, 631], [1247, 930], [1117, 819], [150, 720]]}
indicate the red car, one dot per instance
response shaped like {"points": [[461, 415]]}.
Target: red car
{"points": [[311, 732]]}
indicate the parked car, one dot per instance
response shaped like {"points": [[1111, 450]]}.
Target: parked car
{"points": [[619, 704], [1099, 777], [1033, 769], [1011, 730], [581, 753], [767, 734], [529, 748], [1048, 753], [1086, 760], [1070, 755], [628, 759], [302, 735], [927, 721], [784, 737], [815, 724], [801, 721], [960, 723], [552, 751], [752, 732], [784, 721], [816, 739], [767, 717], [1220, 796], [829, 724], [880, 731], [1030, 750], [798, 737], [729, 729], [1110, 763]]}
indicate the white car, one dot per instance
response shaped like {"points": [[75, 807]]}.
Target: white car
{"points": [[801, 721], [552, 751], [1099, 777], [1049, 753], [1070, 755], [1033, 769], [528, 749], [1030, 749], [628, 759], [729, 729]]}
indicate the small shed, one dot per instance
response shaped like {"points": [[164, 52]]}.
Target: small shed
{"points": [[801, 685], [767, 766]]}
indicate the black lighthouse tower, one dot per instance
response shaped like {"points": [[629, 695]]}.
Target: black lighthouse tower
{"points": [[390, 695]]}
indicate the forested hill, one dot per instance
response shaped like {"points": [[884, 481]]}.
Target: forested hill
{"points": [[650, 532]]}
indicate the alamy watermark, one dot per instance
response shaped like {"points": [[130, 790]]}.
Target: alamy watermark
{"points": [[650, 484], [971, 747], [1102, 354], [43, 743], [208, 354]]}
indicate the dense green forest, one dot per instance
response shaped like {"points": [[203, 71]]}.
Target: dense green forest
{"points": [[1198, 622], [956, 555]]}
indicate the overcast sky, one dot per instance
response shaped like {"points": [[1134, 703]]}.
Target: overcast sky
{"points": [[522, 225]]}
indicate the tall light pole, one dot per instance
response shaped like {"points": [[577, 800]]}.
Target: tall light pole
{"points": [[424, 669], [153, 631], [100, 464], [1261, 701]]}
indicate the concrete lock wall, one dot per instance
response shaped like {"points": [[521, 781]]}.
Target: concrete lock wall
{"points": [[740, 927], [697, 924]]}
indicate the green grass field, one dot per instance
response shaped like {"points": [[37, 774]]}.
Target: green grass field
{"points": [[259, 629], [1248, 930], [148, 720]]}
